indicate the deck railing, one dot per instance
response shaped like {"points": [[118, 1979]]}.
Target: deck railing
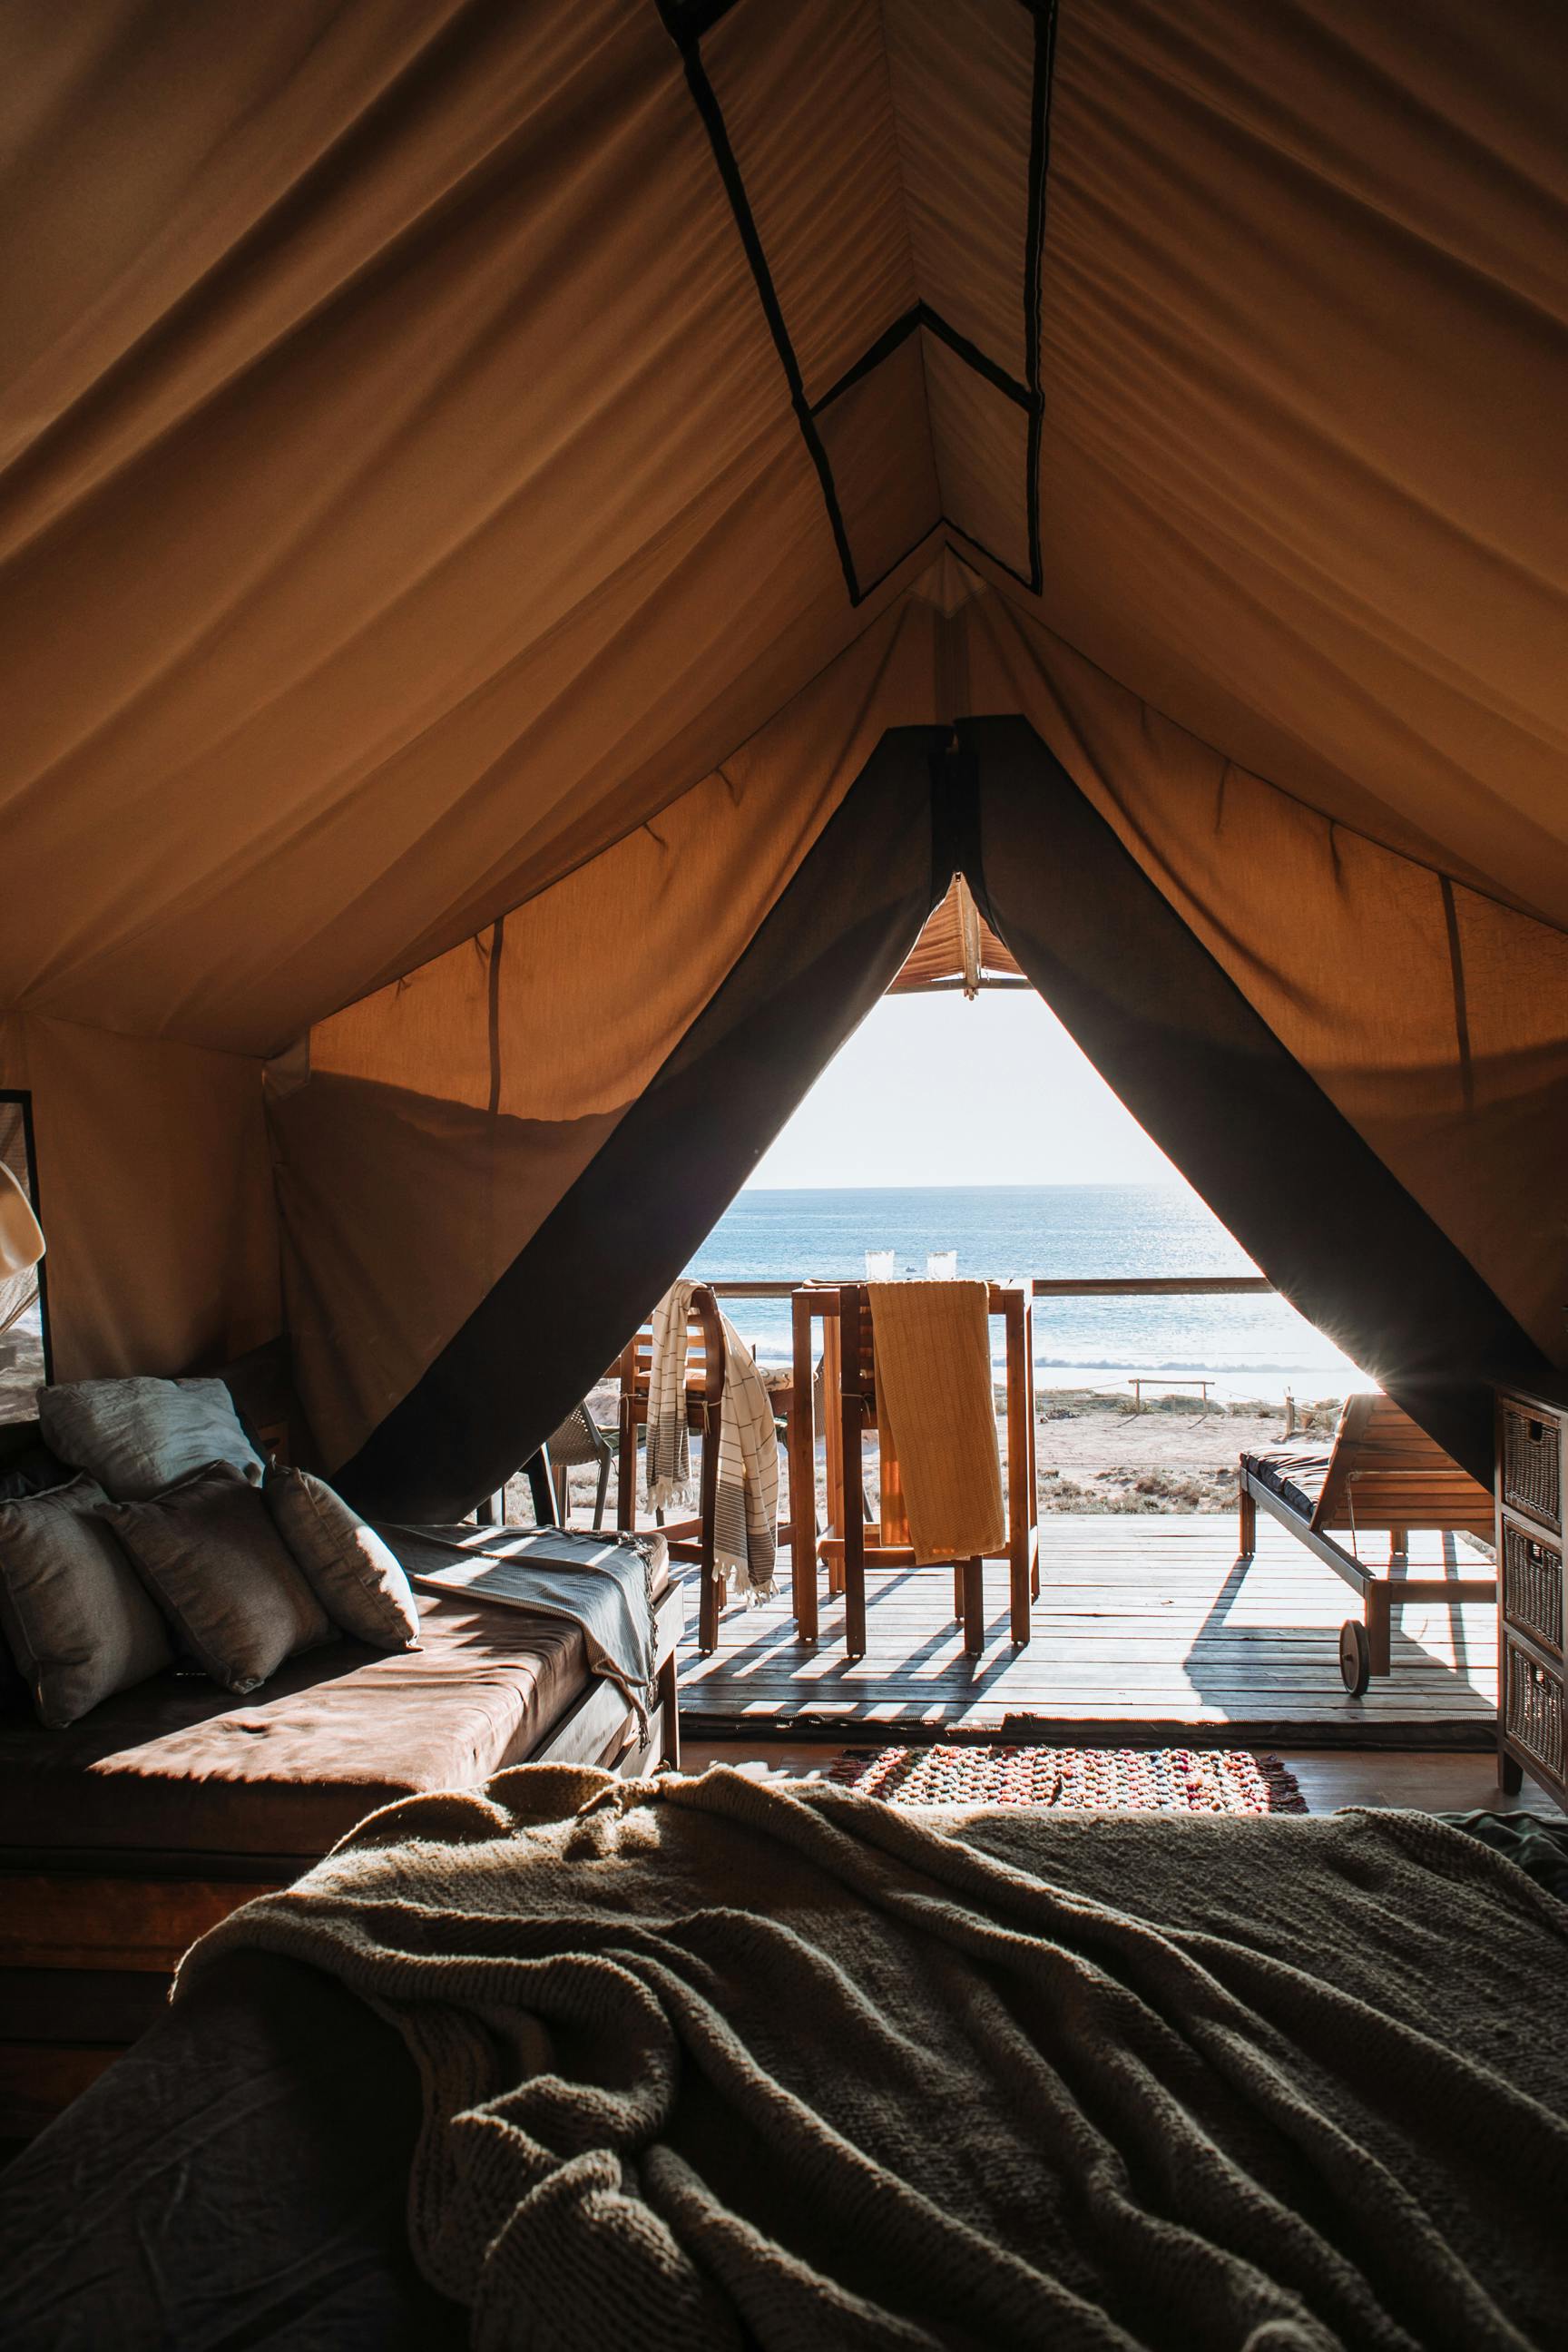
{"points": [[1117, 1286]]}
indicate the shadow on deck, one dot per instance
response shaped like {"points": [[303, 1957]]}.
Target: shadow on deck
{"points": [[1145, 1627]]}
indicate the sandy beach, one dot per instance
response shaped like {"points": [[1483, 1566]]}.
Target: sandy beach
{"points": [[1098, 1454], [1095, 1452]]}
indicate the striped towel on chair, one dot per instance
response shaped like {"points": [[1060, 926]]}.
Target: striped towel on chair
{"points": [[745, 1515], [667, 1459]]}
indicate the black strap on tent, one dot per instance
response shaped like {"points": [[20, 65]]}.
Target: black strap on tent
{"points": [[1203, 1073], [686, 22], [573, 1296]]}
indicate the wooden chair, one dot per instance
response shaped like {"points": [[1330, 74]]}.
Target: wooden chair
{"points": [[688, 1539], [579, 1445], [1381, 1472], [850, 1387]]}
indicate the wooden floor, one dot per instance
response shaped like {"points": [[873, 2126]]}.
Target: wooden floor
{"points": [[1143, 1625]]}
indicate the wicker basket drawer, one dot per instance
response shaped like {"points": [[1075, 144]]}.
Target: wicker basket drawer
{"points": [[1534, 1710], [1532, 1585], [1532, 1463]]}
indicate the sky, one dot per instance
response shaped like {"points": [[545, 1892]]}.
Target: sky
{"points": [[939, 1090]]}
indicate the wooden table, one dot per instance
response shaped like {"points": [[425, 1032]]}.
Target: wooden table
{"points": [[850, 1397]]}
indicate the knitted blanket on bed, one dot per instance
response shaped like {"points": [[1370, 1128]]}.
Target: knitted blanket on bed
{"points": [[714, 2063]]}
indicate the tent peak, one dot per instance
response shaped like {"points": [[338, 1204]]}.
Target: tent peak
{"points": [[948, 584]]}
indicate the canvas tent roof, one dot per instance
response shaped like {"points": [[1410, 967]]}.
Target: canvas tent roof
{"points": [[480, 483]]}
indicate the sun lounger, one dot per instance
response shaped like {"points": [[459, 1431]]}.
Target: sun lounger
{"points": [[1381, 1472]]}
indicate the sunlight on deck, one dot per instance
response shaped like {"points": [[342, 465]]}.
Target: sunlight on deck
{"points": [[1140, 1620]]}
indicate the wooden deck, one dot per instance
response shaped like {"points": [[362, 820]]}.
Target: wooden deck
{"points": [[1145, 1627]]}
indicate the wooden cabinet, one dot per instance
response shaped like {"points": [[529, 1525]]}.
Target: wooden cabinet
{"points": [[1533, 1601]]}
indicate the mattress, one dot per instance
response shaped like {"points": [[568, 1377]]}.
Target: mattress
{"points": [[177, 1768]]}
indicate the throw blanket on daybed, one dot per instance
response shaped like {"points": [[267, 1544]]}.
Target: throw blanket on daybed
{"points": [[600, 1583], [714, 2063], [745, 1514]]}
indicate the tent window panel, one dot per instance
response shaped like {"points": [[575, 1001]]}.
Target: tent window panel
{"points": [[24, 1302], [981, 441], [878, 444]]}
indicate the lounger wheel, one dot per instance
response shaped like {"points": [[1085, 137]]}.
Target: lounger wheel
{"points": [[1355, 1656]]}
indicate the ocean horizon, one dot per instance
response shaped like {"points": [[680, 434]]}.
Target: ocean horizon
{"points": [[1246, 1345]]}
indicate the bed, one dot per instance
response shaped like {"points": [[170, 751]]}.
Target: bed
{"points": [[709, 2061]]}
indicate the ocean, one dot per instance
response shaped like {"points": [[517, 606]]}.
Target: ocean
{"points": [[1248, 1346]]}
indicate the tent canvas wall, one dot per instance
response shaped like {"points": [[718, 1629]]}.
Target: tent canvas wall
{"points": [[506, 512]]}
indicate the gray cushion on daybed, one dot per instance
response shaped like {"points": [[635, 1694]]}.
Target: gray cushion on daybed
{"points": [[207, 1552], [137, 1437], [76, 1618], [353, 1573], [1296, 1474]]}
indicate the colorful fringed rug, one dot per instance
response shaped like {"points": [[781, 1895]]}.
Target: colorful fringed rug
{"points": [[1076, 1779]]}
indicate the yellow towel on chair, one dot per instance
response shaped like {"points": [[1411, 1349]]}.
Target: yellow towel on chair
{"points": [[934, 1397]]}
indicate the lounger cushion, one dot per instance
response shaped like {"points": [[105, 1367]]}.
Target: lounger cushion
{"points": [[1294, 1473], [175, 1770]]}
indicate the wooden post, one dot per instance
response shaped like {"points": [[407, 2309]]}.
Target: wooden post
{"points": [[833, 1432], [851, 1469], [1248, 1528], [1020, 1419], [803, 1476], [1033, 1445], [708, 1600], [974, 1607], [627, 1455]]}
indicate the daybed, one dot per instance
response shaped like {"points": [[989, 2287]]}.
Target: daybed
{"points": [[718, 2063], [128, 1834]]}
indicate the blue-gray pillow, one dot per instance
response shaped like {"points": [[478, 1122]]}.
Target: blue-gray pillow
{"points": [[352, 1572], [76, 1617], [139, 1436], [209, 1553]]}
